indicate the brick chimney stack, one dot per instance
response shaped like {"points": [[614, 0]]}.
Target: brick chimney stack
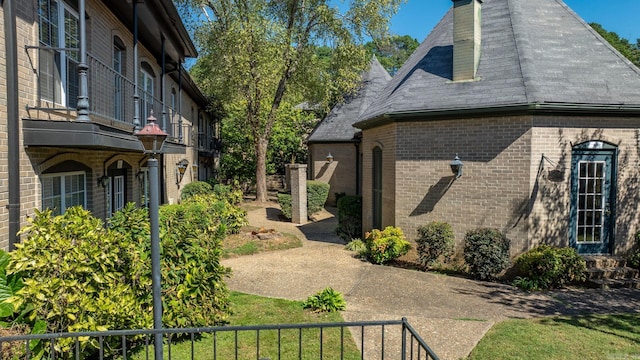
{"points": [[467, 36]]}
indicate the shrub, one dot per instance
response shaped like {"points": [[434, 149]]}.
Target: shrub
{"points": [[548, 267], [284, 200], [327, 300], [386, 245], [229, 193], [358, 246], [82, 276], [486, 253], [633, 260], [317, 194], [349, 217], [195, 188], [192, 276], [79, 276], [435, 240], [222, 211]]}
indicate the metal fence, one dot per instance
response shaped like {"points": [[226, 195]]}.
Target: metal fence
{"points": [[351, 340]]}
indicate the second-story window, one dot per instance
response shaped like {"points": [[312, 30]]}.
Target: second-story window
{"points": [[118, 68], [58, 56], [146, 83]]}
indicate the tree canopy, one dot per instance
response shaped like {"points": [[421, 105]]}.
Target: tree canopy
{"points": [[393, 52], [255, 54], [629, 50]]}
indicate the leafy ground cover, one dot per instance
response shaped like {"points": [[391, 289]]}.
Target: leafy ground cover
{"points": [[256, 310], [577, 337], [246, 242]]}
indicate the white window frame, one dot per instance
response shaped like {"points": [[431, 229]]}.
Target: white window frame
{"points": [[63, 179], [147, 83], [61, 85], [118, 186], [118, 68]]}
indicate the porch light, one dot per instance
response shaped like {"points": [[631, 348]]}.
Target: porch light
{"points": [[151, 136], [181, 169], [152, 139], [194, 171], [103, 181], [456, 166], [329, 158]]}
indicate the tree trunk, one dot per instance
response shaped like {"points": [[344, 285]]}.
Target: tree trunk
{"points": [[261, 169]]}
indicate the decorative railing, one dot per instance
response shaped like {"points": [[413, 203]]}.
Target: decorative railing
{"points": [[373, 340], [207, 142], [111, 94]]}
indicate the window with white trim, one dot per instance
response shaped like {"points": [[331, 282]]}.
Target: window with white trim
{"points": [[118, 192], [58, 66], [64, 190], [146, 80]]}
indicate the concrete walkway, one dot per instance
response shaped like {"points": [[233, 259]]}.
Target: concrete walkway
{"points": [[451, 314]]}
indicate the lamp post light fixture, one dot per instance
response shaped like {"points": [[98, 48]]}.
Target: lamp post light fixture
{"points": [[103, 181], [456, 166], [181, 170], [329, 158], [194, 171], [152, 137]]}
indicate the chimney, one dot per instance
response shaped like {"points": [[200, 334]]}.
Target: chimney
{"points": [[466, 38]]}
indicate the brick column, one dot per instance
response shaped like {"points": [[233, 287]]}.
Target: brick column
{"points": [[298, 173]]}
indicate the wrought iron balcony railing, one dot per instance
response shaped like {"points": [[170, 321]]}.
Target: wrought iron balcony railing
{"points": [[111, 94]]}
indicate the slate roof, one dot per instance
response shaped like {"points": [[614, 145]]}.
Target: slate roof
{"points": [[533, 54], [337, 125]]}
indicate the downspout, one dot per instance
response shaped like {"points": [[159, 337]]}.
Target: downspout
{"points": [[136, 95], [163, 99], [13, 125], [180, 135]]}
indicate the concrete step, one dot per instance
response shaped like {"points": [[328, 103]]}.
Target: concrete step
{"points": [[602, 261], [613, 273], [606, 284]]}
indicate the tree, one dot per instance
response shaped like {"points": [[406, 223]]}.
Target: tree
{"points": [[629, 50], [286, 144], [255, 53], [393, 52]]}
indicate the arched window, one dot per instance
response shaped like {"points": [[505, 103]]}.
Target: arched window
{"points": [[377, 187]]}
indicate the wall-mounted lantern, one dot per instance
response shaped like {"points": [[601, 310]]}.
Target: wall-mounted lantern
{"points": [[181, 169], [456, 166], [329, 158], [194, 171], [103, 181]]}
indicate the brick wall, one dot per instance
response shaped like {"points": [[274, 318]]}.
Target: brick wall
{"points": [[551, 150], [383, 137], [506, 182], [340, 174]]}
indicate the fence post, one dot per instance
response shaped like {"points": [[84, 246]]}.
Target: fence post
{"points": [[404, 338]]}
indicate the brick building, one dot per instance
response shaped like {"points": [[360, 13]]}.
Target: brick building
{"points": [[335, 136], [543, 113], [77, 79]]}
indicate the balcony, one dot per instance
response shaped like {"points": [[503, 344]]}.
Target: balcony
{"points": [[111, 104]]}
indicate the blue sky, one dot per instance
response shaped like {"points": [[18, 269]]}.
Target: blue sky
{"points": [[418, 17]]}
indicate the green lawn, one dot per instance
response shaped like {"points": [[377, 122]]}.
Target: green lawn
{"points": [[580, 337], [256, 310]]}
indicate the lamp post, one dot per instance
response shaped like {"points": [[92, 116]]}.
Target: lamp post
{"points": [[152, 138]]}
